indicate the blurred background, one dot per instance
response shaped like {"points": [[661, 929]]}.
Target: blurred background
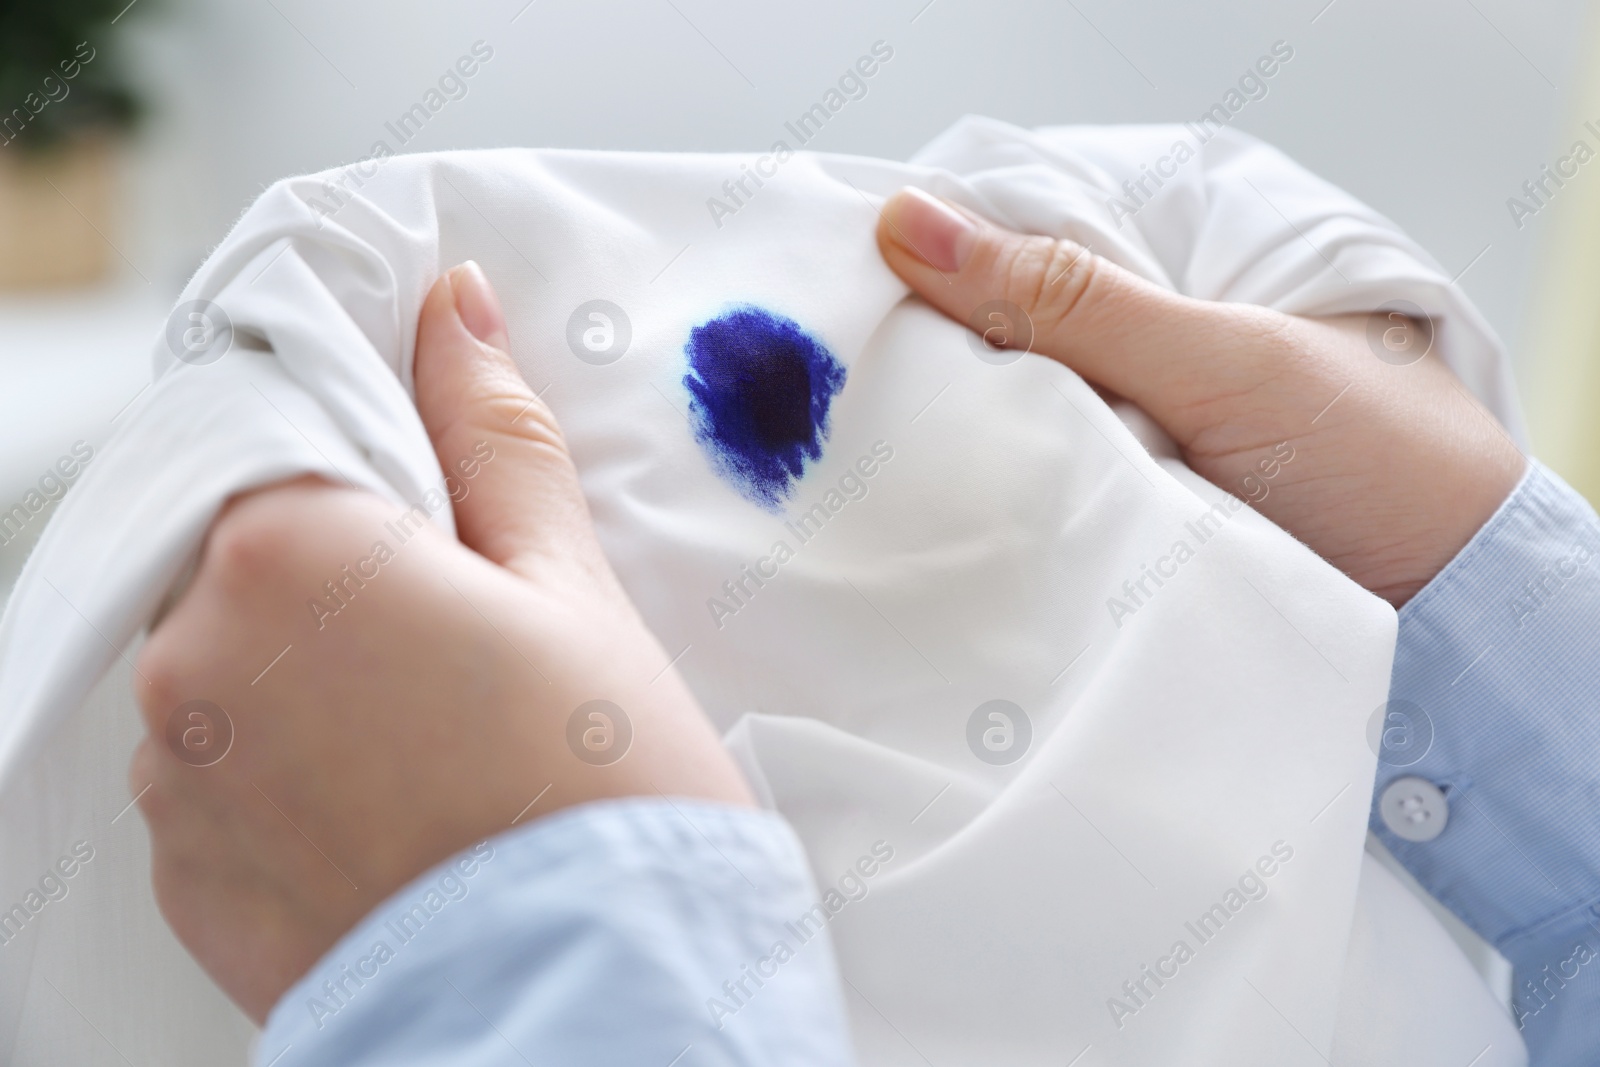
{"points": [[131, 135]]}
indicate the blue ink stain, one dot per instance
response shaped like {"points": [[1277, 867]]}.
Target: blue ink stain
{"points": [[759, 389]]}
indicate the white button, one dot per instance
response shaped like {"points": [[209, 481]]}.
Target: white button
{"points": [[1414, 808]]}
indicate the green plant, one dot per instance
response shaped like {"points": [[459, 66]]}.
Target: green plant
{"points": [[58, 71]]}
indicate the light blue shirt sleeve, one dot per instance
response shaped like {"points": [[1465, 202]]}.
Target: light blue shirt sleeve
{"points": [[1501, 654], [652, 933]]}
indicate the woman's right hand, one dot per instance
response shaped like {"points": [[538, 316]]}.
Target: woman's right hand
{"points": [[1395, 467], [426, 694]]}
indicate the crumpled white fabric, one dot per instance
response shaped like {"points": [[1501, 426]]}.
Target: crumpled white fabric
{"points": [[1177, 755]]}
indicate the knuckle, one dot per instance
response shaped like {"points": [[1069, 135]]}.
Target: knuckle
{"points": [[1067, 285], [531, 424], [506, 414], [244, 543], [529, 417], [260, 536], [1048, 278]]}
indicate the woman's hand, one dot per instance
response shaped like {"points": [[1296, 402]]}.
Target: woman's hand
{"points": [[427, 694], [1395, 467]]}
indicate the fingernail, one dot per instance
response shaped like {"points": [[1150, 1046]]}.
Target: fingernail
{"points": [[477, 304], [930, 229]]}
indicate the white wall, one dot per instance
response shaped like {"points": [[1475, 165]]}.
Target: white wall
{"points": [[1422, 108]]}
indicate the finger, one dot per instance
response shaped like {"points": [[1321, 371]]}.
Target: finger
{"points": [[1160, 349], [517, 497]]}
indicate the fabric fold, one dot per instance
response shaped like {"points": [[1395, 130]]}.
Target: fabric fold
{"points": [[1088, 698]]}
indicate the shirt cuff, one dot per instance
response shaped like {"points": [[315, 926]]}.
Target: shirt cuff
{"points": [[630, 931], [1500, 656]]}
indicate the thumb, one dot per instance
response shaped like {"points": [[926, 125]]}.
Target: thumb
{"points": [[516, 492], [1164, 351]]}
